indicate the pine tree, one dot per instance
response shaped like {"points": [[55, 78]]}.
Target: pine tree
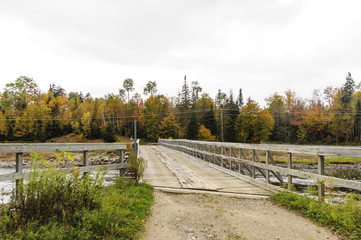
{"points": [[357, 121], [240, 98], [229, 118], [184, 96], [193, 127], [209, 120], [347, 90]]}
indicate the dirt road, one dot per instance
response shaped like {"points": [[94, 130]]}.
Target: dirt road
{"points": [[199, 216]]}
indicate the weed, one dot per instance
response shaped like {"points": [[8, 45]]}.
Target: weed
{"points": [[136, 166], [344, 218], [54, 205]]}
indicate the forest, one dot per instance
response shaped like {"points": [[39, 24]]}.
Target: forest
{"points": [[329, 116]]}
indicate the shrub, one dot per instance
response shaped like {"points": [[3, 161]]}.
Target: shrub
{"points": [[136, 166], [54, 205], [344, 218]]}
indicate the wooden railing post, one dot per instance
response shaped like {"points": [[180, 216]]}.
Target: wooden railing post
{"points": [[289, 176], [253, 169], [240, 157], [121, 160], [18, 169], [321, 171], [85, 159], [222, 152], [267, 162]]}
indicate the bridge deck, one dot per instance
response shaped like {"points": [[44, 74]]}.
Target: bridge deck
{"points": [[167, 168]]}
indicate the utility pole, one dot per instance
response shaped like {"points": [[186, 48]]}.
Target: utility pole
{"points": [[135, 130], [222, 124]]}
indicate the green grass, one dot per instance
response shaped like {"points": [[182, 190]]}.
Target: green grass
{"points": [[53, 205], [344, 218]]}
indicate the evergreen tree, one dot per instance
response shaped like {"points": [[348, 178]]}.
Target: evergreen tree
{"points": [[209, 120], [196, 89], [193, 127], [109, 133], [357, 120], [240, 98], [220, 100], [230, 114], [184, 96], [347, 91]]}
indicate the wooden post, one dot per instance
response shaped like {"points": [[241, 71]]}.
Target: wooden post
{"points": [[240, 157], [321, 171], [222, 152], [267, 162], [85, 159], [214, 152], [18, 169], [253, 170], [289, 185], [121, 160]]}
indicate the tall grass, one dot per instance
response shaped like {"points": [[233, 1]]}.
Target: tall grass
{"points": [[344, 218], [55, 205]]}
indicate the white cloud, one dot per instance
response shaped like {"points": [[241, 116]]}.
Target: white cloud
{"points": [[262, 46]]}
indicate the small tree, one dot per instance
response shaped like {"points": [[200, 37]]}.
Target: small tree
{"points": [[109, 133], [204, 134]]}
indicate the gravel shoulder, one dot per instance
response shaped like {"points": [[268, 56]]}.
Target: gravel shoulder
{"points": [[200, 216]]}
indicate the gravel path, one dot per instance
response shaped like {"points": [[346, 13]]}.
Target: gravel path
{"points": [[197, 216]]}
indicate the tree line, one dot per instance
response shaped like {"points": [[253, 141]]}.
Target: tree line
{"points": [[331, 116]]}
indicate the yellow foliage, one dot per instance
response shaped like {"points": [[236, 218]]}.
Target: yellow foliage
{"points": [[204, 134]]}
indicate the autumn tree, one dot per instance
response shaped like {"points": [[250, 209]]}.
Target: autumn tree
{"points": [[154, 111], [169, 128], [204, 134], [253, 124]]}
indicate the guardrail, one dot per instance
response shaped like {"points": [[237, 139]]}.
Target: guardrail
{"points": [[20, 148], [232, 156]]}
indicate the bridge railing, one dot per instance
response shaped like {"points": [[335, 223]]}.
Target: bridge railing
{"points": [[19, 149], [232, 156]]}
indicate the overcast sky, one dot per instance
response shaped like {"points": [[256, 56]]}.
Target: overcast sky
{"points": [[261, 46]]}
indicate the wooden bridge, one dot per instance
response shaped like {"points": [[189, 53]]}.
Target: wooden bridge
{"points": [[188, 166], [196, 166]]}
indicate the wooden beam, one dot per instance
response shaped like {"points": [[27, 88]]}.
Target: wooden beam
{"points": [[289, 165], [321, 184]]}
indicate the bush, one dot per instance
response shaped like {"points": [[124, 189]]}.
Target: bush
{"points": [[344, 218], [136, 166], [109, 133], [53, 205]]}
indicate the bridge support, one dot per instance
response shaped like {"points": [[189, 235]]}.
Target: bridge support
{"points": [[18, 169], [321, 184]]}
